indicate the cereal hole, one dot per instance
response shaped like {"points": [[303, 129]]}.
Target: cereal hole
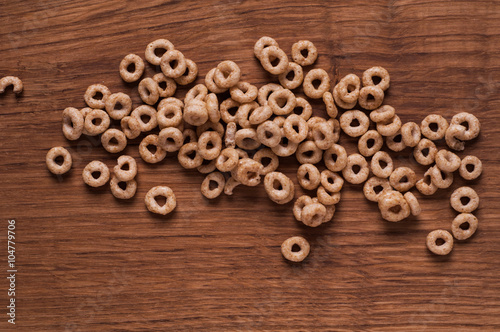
{"points": [[162, 85], [350, 88], [427, 179], [281, 101], [330, 180], [316, 83], [277, 185], [98, 95], [295, 247], [404, 179], [395, 208], [248, 141], [161, 200], [298, 110], [173, 63], [425, 152], [159, 51], [275, 62], [113, 141], [470, 168], [355, 123], [118, 106], [464, 226], [291, 75], [252, 175], [268, 134], [356, 169], [443, 174], [232, 111], [370, 143], [210, 145], [212, 185], [191, 155], [152, 148], [439, 241], [321, 136], [265, 161], [370, 98], [96, 121], [433, 126], [304, 52], [334, 157], [308, 153], [296, 128], [383, 164], [169, 115], [131, 67], [125, 167], [398, 138], [376, 79], [59, 160], [378, 189], [465, 124], [122, 185], [464, 200], [145, 118], [307, 177], [96, 174]]}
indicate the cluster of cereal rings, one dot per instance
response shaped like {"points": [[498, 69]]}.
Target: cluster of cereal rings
{"points": [[238, 140]]}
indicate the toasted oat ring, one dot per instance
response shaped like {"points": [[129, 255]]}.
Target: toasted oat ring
{"points": [[17, 84], [268, 159], [308, 176], [152, 204], [350, 174], [313, 75], [126, 168], [323, 135], [309, 48], [443, 248], [231, 183], [470, 167], [260, 115], [347, 91], [186, 160], [199, 92], [211, 85], [425, 185], [374, 187], [464, 226], [72, 123], [390, 127], [313, 214], [447, 160], [212, 107], [410, 133], [330, 211], [382, 170], [85, 111], [118, 105], [145, 112], [380, 72], [395, 142], [130, 127], [293, 135], [95, 174], [152, 50], [383, 114], [297, 76], [243, 92], [206, 185], [295, 256], [303, 108], [52, 157], [117, 189], [229, 139], [175, 58], [336, 129], [413, 203], [170, 139], [114, 140], [271, 53], [261, 44], [335, 158], [308, 153], [370, 143], [248, 172], [209, 145], [227, 74], [149, 91], [137, 66], [425, 152], [437, 132], [207, 166], [368, 103], [331, 109], [331, 181], [282, 102], [146, 154], [347, 119], [473, 125], [243, 113], [195, 113], [92, 91], [269, 134], [169, 115], [464, 199], [452, 133], [169, 83], [278, 187], [285, 148], [247, 139], [441, 178], [393, 206], [327, 198], [227, 160], [189, 75], [299, 204], [225, 110], [403, 179]]}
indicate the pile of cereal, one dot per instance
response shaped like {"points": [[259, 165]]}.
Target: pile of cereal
{"points": [[238, 140]]}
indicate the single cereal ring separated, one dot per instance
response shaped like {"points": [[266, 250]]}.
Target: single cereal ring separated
{"points": [[95, 174], [146, 117], [169, 115], [114, 140], [96, 122], [151, 156], [173, 64], [131, 68], [383, 114], [356, 170], [118, 105], [434, 126], [149, 91], [464, 226], [354, 123], [370, 97], [410, 133], [441, 178], [403, 179], [17, 84], [122, 189], [331, 181], [170, 139], [185, 156], [447, 160], [268, 159], [395, 142], [316, 74], [72, 123], [308, 176], [393, 206], [152, 204], [370, 143], [379, 72], [304, 52], [464, 199], [126, 168], [296, 74], [287, 249], [413, 203], [279, 187], [96, 96], [439, 242], [374, 187], [166, 85], [54, 164], [159, 46], [470, 167], [335, 158], [269, 54], [282, 102], [227, 74], [346, 92], [213, 185], [381, 164], [425, 152], [472, 125]]}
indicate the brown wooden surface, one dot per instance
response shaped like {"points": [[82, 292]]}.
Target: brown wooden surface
{"points": [[89, 262]]}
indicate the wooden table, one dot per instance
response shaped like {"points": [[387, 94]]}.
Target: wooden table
{"points": [[89, 262]]}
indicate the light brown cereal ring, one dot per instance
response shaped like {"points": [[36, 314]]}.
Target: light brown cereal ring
{"points": [[452, 133], [304, 52], [118, 105], [54, 164], [208, 166], [209, 145], [248, 172], [96, 122], [243, 92], [169, 115], [303, 108], [209, 82], [122, 189], [395, 142], [146, 117], [413, 203], [308, 153], [295, 135], [464, 226], [212, 107], [383, 114], [260, 114], [186, 157], [331, 109], [287, 249], [96, 95], [228, 110], [410, 133], [379, 72], [166, 85], [85, 111], [231, 183], [126, 168], [327, 198], [130, 127], [189, 75], [285, 148], [331, 181], [425, 185], [470, 168], [440, 242], [156, 49], [170, 139], [316, 74], [243, 113], [403, 179], [173, 64], [189, 136], [434, 126], [336, 129], [262, 43], [227, 74], [322, 135], [195, 113], [354, 123], [282, 102], [346, 92], [95, 174], [299, 204], [335, 158], [72, 123], [278, 187], [131, 68], [441, 178], [229, 139], [269, 134], [152, 204], [213, 185], [151, 156], [472, 125], [292, 77], [210, 126], [370, 97], [425, 152], [268, 159], [330, 211], [114, 140], [269, 54], [370, 143], [308, 176], [227, 160], [149, 91], [374, 187], [265, 91], [393, 206], [356, 170], [247, 139], [464, 199], [390, 127], [447, 160], [199, 92], [381, 164], [313, 214], [17, 84]]}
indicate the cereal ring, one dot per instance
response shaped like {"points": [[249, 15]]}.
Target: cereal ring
{"points": [[327, 198], [370, 97], [72, 123], [229, 140], [231, 183], [85, 111], [213, 185], [209, 82], [370, 143], [130, 127], [17, 84], [95, 174], [265, 91], [166, 85], [282, 102], [248, 172], [381, 164], [170, 139], [96, 95], [383, 114], [308, 153], [452, 133], [413, 203], [228, 110], [295, 135], [393, 206], [285, 148], [304, 52], [279, 187], [308, 176], [207, 166], [113, 140], [464, 226], [331, 109], [212, 107], [346, 92], [131, 68], [313, 75], [313, 214], [227, 74], [210, 145], [268, 159], [296, 74], [470, 168], [336, 129], [425, 185], [425, 152], [149, 91], [247, 139], [356, 170], [54, 162], [331, 181], [269, 134], [189, 75], [199, 92], [335, 158], [169, 115], [374, 187], [146, 117], [151, 156], [195, 113], [260, 114], [354, 123], [447, 160], [126, 168], [243, 92], [227, 160], [472, 125], [303, 108], [410, 133], [243, 113], [379, 72], [287, 249], [96, 122], [122, 189], [330, 211], [434, 126], [441, 178], [262, 43], [118, 105], [189, 136], [323, 135], [156, 49], [186, 157], [464, 199], [153, 205], [271, 53], [395, 142], [403, 179], [390, 127], [440, 242], [173, 64], [299, 204]]}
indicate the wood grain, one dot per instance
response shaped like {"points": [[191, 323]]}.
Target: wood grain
{"points": [[88, 262]]}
